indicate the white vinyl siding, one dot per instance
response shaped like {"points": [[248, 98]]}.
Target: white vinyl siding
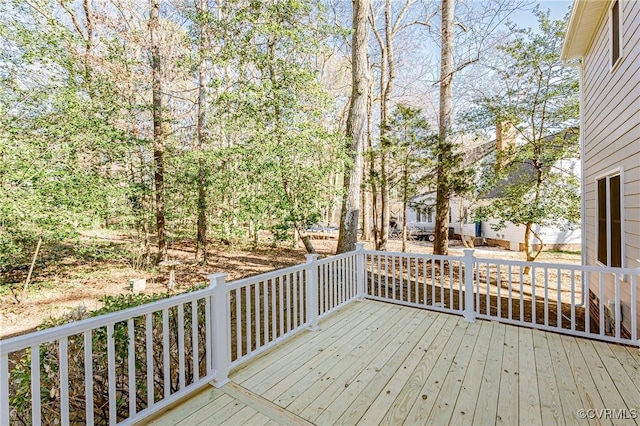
{"points": [[611, 135]]}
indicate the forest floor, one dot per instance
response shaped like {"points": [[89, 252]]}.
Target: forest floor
{"points": [[100, 264]]}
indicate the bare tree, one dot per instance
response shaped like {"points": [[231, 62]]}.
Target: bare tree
{"points": [[356, 128], [201, 126], [158, 131], [445, 145]]}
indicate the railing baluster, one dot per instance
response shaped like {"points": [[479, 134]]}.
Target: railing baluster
{"points": [[111, 374], [149, 354], [510, 291], [181, 350], [265, 304], [573, 301], [521, 293], [195, 356], [587, 303], [424, 281], [417, 282], [433, 282], [401, 276], [36, 413], [601, 303], [239, 316], [281, 304], [441, 283], [451, 284], [546, 296], [294, 289], [386, 276], [247, 317], [88, 377], [166, 361], [257, 313], [4, 389], [617, 320], [498, 290], [273, 308], [131, 367], [487, 298], [287, 281], [534, 308], [634, 309], [559, 300], [64, 381]]}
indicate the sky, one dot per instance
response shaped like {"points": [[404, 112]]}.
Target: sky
{"points": [[558, 8]]}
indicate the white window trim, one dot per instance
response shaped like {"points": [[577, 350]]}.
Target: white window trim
{"points": [[618, 171], [613, 67]]}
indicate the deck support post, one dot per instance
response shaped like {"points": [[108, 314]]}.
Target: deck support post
{"points": [[312, 291], [469, 311], [220, 316], [360, 276]]}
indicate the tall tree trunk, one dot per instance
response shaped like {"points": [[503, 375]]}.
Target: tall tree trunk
{"points": [[158, 131], [356, 128], [201, 238], [405, 201], [443, 170]]}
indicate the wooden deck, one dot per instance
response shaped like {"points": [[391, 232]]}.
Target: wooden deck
{"points": [[378, 363]]}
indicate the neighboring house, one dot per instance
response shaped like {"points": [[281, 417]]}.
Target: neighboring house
{"points": [[603, 39], [421, 212]]}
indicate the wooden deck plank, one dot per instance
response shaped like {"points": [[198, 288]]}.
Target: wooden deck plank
{"points": [[198, 401], [550, 405], [351, 358], [465, 406], [342, 396], [425, 384], [603, 381], [285, 366], [284, 390], [529, 397], [393, 376], [263, 405], [629, 361], [508, 409], [220, 410], [490, 387], [382, 358], [627, 389], [444, 402], [348, 316], [587, 389], [568, 392]]}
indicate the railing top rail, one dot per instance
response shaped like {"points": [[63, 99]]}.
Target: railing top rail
{"points": [[549, 265], [419, 255], [25, 341], [233, 285], [336, 257]]}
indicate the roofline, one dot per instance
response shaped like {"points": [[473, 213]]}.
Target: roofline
{"points": [[586, 15]]}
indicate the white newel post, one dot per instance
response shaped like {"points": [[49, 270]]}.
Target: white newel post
{"points": [[360, 276], [220, 329], [312, 291], [469, 311]]}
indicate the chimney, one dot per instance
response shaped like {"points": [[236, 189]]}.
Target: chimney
{"points": [[505, 135]]}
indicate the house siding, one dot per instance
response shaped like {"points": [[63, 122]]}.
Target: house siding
{"points": [[611, 137]]}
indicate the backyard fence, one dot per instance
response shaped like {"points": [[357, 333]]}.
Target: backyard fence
{"points": [[122, 367]]}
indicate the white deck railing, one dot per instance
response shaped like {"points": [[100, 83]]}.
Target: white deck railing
{"points": [[121, 367], [555, 297]]}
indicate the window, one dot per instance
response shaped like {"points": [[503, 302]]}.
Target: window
{"points": [[615, 32], [609, 232]]}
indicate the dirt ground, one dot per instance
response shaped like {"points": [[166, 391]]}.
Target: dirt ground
{"points": [[68, 283]]}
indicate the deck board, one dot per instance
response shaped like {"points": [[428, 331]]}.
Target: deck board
{"points": [[377, 363]]}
